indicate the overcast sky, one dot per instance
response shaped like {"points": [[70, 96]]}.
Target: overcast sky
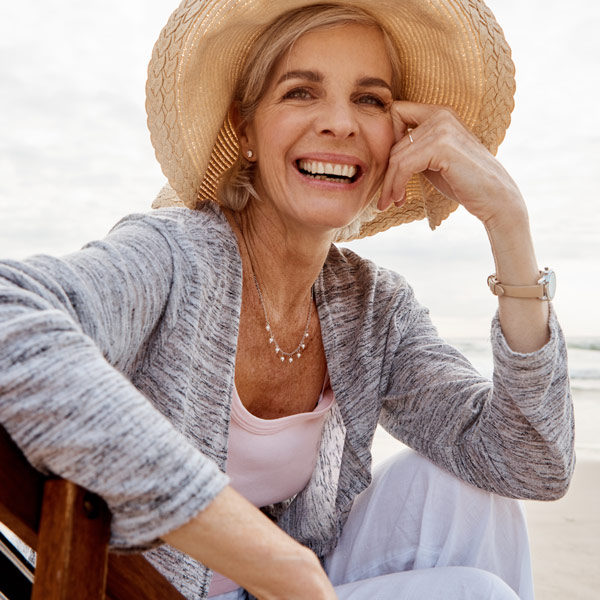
{"points": [[75, 154]]}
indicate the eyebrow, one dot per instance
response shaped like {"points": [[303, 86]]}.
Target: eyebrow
{"points": [[313, 76], [316, 77], [374, 82]]}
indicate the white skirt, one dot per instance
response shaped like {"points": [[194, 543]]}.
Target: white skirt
{"points": [[418, 532]]}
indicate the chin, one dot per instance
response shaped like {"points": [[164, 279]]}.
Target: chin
{"points": [[330, 220]]}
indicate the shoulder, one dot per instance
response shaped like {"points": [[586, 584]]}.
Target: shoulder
{"points": [[205, 222], [188, 234], [359, 293], [346, 270]]}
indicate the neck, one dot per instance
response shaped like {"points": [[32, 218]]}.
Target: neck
{"points": [[286, 259]]}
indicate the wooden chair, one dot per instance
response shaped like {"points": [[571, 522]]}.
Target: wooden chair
{"points": [[69, 528]]}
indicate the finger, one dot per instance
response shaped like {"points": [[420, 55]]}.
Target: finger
{"points": [[418, 150], [405, 138], [385, 198], [399, 126], [393, 189], [408, 158], [400, 203], [413, 114]]}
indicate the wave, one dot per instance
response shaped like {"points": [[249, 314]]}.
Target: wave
{"points": [[592, 344], [586, 386], [576, 373]]}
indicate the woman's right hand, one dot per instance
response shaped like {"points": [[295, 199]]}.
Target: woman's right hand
{"points": [[234, 538]]}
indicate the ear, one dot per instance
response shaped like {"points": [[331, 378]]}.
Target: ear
{"points": [[236, 121], [242, 131]]}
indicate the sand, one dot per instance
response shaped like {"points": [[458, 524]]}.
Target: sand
{"points": [[565, 539]]}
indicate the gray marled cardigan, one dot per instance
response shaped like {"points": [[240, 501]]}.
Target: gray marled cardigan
{"points": [[152, 313]]}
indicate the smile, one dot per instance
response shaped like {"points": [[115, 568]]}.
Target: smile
{"points": [[325, 171]]}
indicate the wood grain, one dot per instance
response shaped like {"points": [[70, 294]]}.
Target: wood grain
{"points": [[72, 545], [21, 490]]}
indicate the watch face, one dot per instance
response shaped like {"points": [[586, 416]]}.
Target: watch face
{"points": [[549, 282]]}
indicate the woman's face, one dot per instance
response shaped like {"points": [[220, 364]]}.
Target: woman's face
{"points": [[322, 133]]}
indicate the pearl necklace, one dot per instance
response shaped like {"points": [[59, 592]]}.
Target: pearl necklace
{"points": [[282, 354]]}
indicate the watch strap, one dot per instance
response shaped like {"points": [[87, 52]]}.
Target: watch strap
{"points": [[515, 291], [544, 289]]}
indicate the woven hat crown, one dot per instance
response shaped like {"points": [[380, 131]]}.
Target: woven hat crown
{"points": [[453, 53]]}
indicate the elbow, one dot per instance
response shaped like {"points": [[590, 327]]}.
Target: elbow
{"points": [[555, 464], [566, 476], [554, 482]]}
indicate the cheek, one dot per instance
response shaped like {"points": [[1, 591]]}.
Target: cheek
{"points": [[274, 127], [276, 137], [381, 141], [387, 135]]}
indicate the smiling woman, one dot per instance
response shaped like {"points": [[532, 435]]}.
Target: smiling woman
{"points": [[216, 370], [273, 48]]}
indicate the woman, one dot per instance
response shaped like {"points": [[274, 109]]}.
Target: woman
{"points": [[273, 354]]}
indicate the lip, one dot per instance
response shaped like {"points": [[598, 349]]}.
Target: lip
{"points": [[341, 159]]}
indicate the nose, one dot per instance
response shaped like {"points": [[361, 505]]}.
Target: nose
{"points": [[337, 119]]}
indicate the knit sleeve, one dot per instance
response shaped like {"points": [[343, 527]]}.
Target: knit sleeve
{"points": [[71, 330], [513, 435]]}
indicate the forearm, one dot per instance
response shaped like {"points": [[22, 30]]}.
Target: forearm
{"points": [[524, 321], [235, 539], [514, 437]]}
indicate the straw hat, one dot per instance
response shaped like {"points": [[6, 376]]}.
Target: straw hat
{"points": [[453, 52]]}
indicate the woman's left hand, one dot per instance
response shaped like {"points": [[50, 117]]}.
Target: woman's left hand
{"points": [[452, 159]]}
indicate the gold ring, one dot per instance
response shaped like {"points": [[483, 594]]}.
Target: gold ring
{"points": [[410, 137]]}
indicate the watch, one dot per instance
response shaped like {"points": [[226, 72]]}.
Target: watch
{"points": [[543, 290]]}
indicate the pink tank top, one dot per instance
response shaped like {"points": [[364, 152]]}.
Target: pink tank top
{"points": [[270, 460]]}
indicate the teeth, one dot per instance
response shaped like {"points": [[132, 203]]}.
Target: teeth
{"points": [[320, 169]]}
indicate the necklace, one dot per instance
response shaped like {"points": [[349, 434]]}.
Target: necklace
{"points": [[282, 354]]}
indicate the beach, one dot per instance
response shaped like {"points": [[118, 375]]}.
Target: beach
{"points": [[565, 538]]}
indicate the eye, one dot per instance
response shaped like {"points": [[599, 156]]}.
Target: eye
{"points": [[371, 99], [298, 94]]}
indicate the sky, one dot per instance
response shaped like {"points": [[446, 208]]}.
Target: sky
{"points": [[75, 155]]}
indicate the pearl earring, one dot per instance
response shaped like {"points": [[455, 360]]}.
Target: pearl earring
{"points": [[249, 153]]}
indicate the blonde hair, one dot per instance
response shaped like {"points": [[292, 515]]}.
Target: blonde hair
{"points": [[236, 184]]}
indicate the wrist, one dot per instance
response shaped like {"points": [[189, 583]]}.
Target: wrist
{"points": [[512, 221], [297, 574], [512, 248]]}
